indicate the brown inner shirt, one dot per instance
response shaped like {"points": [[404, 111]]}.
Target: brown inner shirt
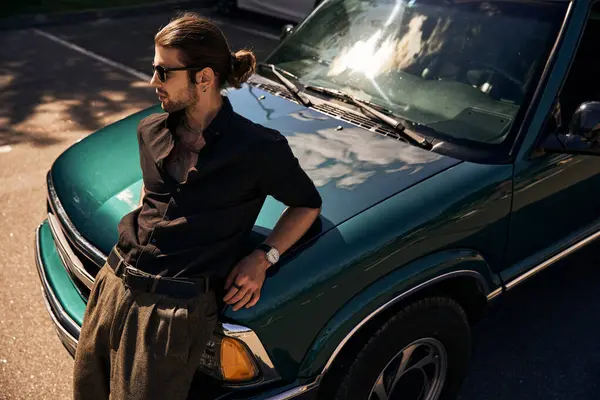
{"points": [[200, 225], [182, 160]]}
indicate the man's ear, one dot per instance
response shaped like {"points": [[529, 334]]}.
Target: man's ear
{"points": [[205, 77]]}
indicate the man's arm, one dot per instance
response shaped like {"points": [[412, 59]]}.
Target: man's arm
{"points": [[292, 225], [249, 274], [279, 175]]}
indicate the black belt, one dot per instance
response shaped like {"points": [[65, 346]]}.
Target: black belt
{"points": [[136, 279]]}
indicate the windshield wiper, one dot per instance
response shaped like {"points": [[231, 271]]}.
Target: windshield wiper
{"points": [[381, 115], [293, 89]]}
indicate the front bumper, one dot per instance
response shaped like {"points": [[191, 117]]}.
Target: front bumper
{"points": [[66, 307], [67, 329]]}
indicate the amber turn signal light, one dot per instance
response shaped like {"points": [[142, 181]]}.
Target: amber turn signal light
{"points": [[236, 362]]}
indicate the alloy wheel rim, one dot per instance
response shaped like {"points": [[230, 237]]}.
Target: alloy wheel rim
{"points": [[417, 372]]}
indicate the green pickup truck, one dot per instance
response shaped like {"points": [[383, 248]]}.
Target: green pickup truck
{"points": [[455, 145]]}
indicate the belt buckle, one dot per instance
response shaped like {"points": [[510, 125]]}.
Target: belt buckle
{"points": [[126, 270], [148, 279]]}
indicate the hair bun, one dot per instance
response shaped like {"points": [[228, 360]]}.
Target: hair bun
{"points": [[243, 65]]}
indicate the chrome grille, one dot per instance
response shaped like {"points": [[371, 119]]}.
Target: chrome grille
{"points": [[71, 262]]}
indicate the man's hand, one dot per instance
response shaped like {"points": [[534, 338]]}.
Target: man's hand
{"points": [[245, 280]]}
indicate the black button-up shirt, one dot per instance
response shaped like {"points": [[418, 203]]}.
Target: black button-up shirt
{"points": [[201, 226]]}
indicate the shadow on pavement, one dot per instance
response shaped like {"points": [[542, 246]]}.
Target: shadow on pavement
{"points": [[130, 41], [541, 341], [40, 79]]}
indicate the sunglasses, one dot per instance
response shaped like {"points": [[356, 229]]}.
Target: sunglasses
{"points": [[161, 71]]}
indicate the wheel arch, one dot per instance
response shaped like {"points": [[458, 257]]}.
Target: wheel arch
{"points": [[463, 275]]}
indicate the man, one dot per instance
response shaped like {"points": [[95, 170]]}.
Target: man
{"points": [[206, 172]]}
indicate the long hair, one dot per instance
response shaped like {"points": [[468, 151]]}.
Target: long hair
{"points": [[202, 44]]}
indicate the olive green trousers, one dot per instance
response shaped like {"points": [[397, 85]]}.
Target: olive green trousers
{"points": [[139, 345]]}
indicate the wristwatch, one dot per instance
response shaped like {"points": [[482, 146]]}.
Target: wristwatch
{"points": [[271, 253]]}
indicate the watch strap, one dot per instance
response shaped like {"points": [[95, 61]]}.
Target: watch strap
{"points": [[264, 247]]}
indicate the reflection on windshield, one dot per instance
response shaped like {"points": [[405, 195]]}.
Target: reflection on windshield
{"points": [[463, 68], [350, 157], [377, 55], [370, 56]]}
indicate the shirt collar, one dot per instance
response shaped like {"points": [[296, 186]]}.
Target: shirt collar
{"points": [[220, 123], [162, 143]]}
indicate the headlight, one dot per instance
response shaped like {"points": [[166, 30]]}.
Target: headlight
{"points": [[229, 360]]}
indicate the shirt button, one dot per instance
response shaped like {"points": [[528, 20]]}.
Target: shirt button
{"points": [[153, 240], [178, 190]]}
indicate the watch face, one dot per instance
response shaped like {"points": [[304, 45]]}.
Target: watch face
{"points": [[273, 256]]}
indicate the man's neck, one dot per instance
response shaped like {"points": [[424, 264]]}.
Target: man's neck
{"points": [[201, 114]]}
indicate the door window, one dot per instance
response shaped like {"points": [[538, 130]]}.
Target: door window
{"points": [[583, 81]]}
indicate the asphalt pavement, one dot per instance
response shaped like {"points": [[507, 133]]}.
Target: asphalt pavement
{"points": [[61, 83]]}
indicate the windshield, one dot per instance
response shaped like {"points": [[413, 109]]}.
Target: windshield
{"points": [[463, 68]]}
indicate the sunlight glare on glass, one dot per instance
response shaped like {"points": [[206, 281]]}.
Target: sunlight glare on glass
{"points": [[365, 56], [370, 56]]}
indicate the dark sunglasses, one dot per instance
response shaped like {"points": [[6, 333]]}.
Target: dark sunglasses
{"points": [[161, 71]]}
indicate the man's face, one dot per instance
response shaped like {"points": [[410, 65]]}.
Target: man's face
{"points": [[177, 92]]}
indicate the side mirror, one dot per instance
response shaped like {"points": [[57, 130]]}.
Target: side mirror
{"points": [[285, 31], [583, 136]]}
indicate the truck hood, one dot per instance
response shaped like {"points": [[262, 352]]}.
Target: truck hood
{"points": [[98, 179]]}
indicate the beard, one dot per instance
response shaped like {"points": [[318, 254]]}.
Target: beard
{"points": [[184, 99]]}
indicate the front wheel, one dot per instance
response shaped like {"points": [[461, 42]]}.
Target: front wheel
{"points": [[421, 353]]}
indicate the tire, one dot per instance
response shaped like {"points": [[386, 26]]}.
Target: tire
{"points": [[227, 7], [429, 327]]}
